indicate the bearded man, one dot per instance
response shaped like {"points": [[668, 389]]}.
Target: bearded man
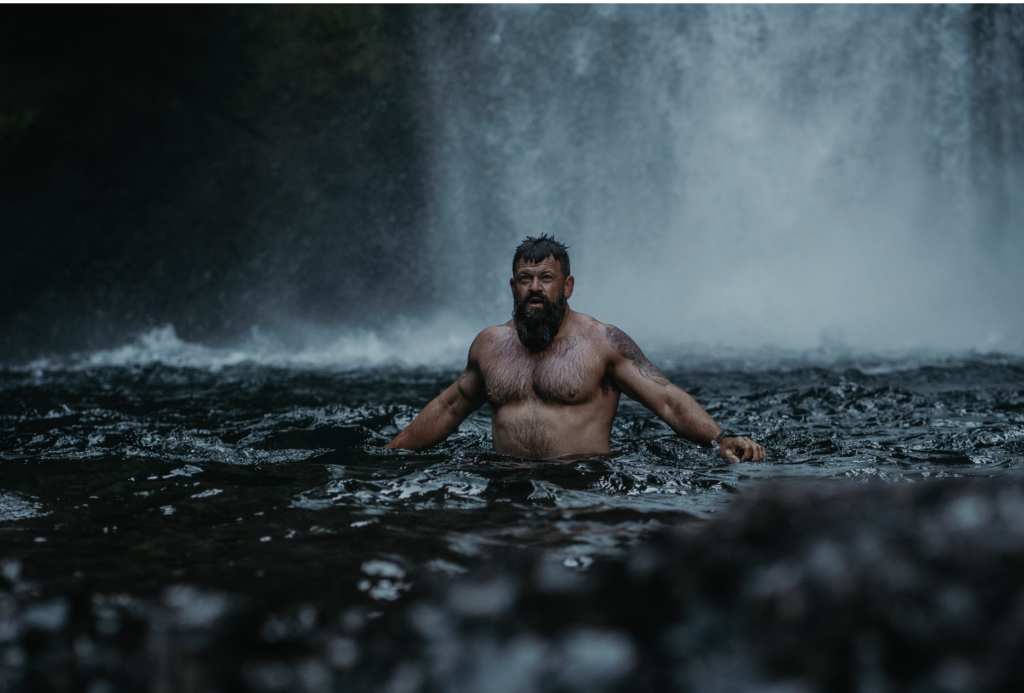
{"points": [[553, 376]]}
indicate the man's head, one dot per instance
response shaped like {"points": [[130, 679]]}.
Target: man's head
{"points": [[541, 286]]}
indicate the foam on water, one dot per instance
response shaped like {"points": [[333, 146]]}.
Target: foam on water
{"points": [[444, 341]]}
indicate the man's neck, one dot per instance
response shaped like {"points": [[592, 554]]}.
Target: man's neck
{"points": [[565, 321]]}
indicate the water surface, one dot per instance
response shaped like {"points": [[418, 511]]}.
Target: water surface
{"points": [[181, 495]]}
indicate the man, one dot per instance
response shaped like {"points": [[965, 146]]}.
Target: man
{"points": [[553, 376]]}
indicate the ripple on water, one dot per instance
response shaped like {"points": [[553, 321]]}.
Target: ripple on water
{"points": [[14, 507], [269, 487]]}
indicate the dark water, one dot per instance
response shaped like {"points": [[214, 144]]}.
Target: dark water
{"points": [[184, 529]]}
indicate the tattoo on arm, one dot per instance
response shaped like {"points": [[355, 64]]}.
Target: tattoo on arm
{"points": [[628, 348]]}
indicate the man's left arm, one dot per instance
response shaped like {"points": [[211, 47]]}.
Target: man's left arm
{"points": [[641, 380]]}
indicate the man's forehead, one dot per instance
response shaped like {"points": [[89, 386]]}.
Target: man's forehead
{"points": [[547, 263]]}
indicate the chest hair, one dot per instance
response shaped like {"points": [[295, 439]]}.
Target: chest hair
{"points": [[568, 372]]}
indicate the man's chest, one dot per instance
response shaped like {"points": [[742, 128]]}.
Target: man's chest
{"points": [[570, 374]]}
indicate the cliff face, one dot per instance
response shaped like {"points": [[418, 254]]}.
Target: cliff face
{"points": [[210, 167]]}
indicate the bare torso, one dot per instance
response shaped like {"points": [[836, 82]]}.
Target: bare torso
{"points": [[560, 398], [557, 402]]}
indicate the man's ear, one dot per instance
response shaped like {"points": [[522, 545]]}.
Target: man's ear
{"points": [[569, 283], [512, 285]]}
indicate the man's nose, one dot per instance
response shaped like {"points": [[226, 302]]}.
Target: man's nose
{"points": [[535, 285]]}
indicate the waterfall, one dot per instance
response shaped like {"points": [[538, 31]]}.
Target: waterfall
{"points": [[736, 175]]}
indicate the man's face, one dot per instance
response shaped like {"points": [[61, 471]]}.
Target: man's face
{"points": [[534, 281], [540, 293]]}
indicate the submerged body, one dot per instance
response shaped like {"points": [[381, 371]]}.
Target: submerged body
{"points": [[557, 395]]}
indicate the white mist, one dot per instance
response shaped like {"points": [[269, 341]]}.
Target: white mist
{"points": [[734, 175]]}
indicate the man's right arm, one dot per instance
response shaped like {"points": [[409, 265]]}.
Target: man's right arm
{"points": [[442, 416]]}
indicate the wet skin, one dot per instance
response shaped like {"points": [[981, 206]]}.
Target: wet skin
{"points": [[562, 400]]}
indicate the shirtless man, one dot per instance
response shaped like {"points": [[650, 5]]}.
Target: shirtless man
{"points": [[553, 376]]}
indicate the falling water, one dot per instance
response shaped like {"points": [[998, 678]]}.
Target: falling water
{"points": [[738, 175]]}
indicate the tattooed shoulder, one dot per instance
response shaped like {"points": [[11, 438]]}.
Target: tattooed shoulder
{"points": [[625, 345]]}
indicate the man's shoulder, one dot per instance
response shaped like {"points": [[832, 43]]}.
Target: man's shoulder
{"points": [[489, 336], [613, 342], [496, 332], [592, 329]]}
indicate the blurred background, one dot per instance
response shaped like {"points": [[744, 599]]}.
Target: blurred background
{"points": [[738, 177]]}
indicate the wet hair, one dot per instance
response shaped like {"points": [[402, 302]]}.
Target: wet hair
{"points": [[535, 250]]}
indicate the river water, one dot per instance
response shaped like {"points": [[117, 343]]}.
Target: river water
{"points": [[244, 519]]}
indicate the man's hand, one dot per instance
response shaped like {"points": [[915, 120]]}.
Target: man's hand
{"points": [[740, 449]]}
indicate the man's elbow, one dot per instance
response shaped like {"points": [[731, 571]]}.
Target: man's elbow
{"points": [[458, 407], [678, 418], [669, 412]]}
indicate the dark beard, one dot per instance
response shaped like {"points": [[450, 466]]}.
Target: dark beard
{"points": [[537, 328]]}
